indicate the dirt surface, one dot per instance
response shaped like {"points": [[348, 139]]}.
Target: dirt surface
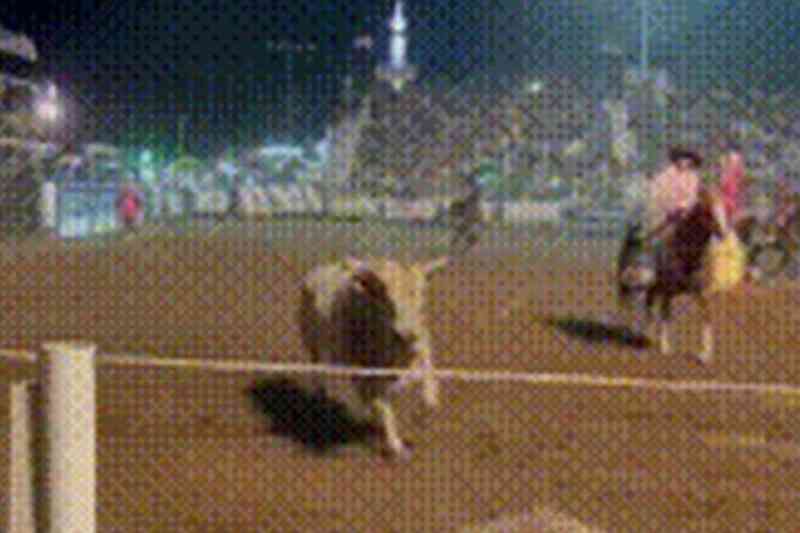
{"points": [[195, 451]]}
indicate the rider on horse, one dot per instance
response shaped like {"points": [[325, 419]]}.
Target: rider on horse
{"points": [[680, 210], [672, 193], [670, 197]]}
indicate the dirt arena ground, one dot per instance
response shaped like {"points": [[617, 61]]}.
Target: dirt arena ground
{"points": [[195, 451]]}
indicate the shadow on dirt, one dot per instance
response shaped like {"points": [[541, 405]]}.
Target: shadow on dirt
{"points": [[319, 423], [595, 331]]}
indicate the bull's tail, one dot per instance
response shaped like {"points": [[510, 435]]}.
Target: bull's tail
{"points": [[310, 334]]}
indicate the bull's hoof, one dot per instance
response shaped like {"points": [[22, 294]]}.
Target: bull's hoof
{"points": [[431, 399], [400, 454]]}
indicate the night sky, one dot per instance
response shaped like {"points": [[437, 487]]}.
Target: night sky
{"points": [[130, 68]]}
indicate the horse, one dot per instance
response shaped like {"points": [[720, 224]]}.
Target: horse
{"points": [[699, 257]]}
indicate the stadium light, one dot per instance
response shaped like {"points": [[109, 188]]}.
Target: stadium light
{"points": [[47, 107]]}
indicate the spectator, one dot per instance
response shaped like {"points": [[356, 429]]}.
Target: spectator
{"points": [[788, 200], [732, 182], [130, 206]]}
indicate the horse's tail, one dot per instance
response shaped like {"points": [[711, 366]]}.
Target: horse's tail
{"points": [[632, 247], [624, 295], [625, 292]]}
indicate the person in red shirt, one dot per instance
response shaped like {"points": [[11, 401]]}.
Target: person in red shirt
{"points": [[732, 182], [130, 206]]}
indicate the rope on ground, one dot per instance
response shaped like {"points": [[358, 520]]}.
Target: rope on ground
{"points": [[457, 374], [18, 356], [480, 376]]}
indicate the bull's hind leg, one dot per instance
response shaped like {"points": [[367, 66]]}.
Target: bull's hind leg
{"points": [[311, 338], [317, 380], [430, 384]]}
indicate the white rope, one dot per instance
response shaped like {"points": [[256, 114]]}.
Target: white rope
{"points": [[475, 376], [484, 376], [18, 356]]}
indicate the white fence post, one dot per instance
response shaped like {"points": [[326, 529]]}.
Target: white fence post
{"points": [[48, 205], [67, 375], [21, 517]]}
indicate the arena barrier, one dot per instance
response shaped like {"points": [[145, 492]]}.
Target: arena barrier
{"points": [[85, 210], [62, 497]]}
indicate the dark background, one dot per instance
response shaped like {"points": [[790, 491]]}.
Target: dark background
{"points": [[132, 70]]}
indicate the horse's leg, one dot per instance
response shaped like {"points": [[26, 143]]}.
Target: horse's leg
{"points": [[664, 319], [652, 314], [707, 350]]}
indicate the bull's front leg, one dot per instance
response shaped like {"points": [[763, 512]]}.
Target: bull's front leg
{"points": [[430, 385], [385, 413], [424, 362], [421, 368]]}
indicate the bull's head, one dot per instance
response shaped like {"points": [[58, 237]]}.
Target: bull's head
{"points": [[399, 290]]}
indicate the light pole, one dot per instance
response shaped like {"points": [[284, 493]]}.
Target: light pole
{"points": [[644, 37], [182, 119], [47, 107]]}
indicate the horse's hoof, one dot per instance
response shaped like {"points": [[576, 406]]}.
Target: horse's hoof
{"points": [[704, 358], [638, 342]]}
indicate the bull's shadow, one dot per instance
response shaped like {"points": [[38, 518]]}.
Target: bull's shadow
{"points": [[598, 332], [316, 421]]}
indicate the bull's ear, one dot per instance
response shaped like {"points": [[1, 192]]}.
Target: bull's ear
{"points": [[355, 264], [368, 282], [433, 266]]}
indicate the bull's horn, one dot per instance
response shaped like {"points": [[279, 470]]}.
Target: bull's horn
{"points": [[436, 264], [355, 264]]}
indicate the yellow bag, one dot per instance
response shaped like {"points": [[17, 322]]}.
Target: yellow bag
{"points": [[724, 264]]}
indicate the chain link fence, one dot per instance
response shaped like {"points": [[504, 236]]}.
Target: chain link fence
{"points": [[518, 138]]}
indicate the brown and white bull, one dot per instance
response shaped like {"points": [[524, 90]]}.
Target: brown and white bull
{"points": [[369, 313]]}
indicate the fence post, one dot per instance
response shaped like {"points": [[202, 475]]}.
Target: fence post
{"points": [[21, 517], [67, 374]]}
